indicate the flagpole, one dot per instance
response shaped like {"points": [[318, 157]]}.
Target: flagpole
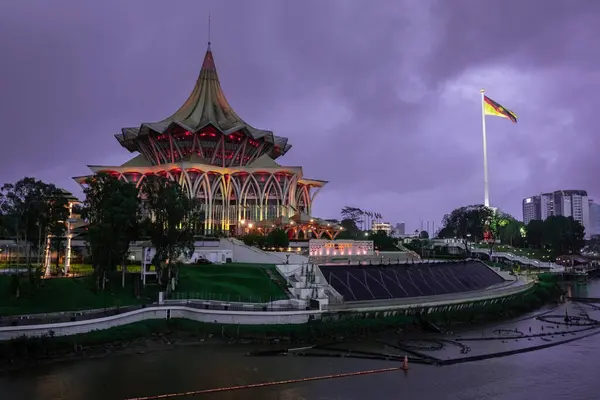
{"points": [[486, 186]]}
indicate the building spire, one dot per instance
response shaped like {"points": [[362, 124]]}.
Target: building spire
{"points": [[208, 32]]}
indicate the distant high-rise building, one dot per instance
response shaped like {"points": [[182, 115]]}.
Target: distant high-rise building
{"points": [[546, 205], [568, 203], [381, 226], [594, 217], [532, 209], [400, 229]]}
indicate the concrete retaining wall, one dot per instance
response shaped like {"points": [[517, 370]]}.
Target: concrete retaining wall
{"points": [[208, 316], [336, 312], [248, 254]]}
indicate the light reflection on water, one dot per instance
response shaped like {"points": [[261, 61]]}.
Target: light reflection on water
{"points": [[564, 372]]}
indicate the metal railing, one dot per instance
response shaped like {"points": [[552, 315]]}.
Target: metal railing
{"points": [[514, 257], [67, 316], [225, 306], [225, 297]]}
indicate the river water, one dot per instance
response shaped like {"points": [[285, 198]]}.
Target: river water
{"points": [[566, 371]]}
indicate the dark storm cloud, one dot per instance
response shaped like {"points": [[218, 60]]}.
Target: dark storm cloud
{"points": [[380, 98]]}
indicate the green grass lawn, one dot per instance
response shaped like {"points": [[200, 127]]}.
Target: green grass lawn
{"points": [[67, 294], [231, 282]]}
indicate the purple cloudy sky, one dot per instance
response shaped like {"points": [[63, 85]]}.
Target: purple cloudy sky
{"points": [[379, 97]]}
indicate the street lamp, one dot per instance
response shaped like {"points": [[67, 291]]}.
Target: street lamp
{"points": [[467, 248]]}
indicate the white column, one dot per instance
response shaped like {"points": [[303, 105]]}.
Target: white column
{"points": [[69, 236], [486, 188], [47, 259]]}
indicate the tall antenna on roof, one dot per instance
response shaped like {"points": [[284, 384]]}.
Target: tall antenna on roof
{"points": [[209, 32]]}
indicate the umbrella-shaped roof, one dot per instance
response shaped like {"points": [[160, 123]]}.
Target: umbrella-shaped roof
{"points": [[302, 218], [298, 219]]}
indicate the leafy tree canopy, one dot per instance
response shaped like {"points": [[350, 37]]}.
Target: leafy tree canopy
{"points": [[170, 222], [470, 222], [30, 210], [254, 239], [382, 241], [466, 222], [351, 230], [277, 238], [111, 209], [559, 234], [352, 213]]}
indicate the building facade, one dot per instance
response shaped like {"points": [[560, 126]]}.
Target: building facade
{"points": [[568, 203], [218, 158], [594, 218], [381, 226], [400, 229], [532, 209]]}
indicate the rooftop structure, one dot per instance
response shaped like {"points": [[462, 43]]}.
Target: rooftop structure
{"points": [[217, 157]]}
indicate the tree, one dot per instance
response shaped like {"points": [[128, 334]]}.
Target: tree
{"points": [[475, 223], [445, 232], [55, 217], [383, 242], [32, 210], [353, 214], [512, 233], [277, 238], [198, 217], [254, 239], [466, 222], [169, 224], [351, 230], [534, 234], [563, 235], [4, 224], [423, 235], [111, 209]]}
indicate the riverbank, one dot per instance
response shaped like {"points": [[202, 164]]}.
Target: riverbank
{"points": [[162, 334]]}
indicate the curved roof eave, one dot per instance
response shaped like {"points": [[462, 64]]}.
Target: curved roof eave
{"points": [[206, 105]]}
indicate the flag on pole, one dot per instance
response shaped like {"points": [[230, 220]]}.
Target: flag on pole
{"points": [[493, 108]]}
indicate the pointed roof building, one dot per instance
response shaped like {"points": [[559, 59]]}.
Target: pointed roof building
{"points": [[206, 109], [220, 160]]}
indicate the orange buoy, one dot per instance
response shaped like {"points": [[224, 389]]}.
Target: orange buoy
{"points": [[405, 366]]}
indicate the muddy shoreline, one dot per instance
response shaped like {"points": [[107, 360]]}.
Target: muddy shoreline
{"points": [[141, 346]]}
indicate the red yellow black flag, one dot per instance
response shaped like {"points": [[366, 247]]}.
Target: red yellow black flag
{"points": [[490, 107]]}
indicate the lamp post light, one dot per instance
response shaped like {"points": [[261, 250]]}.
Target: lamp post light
{"points": [[467, 245]]}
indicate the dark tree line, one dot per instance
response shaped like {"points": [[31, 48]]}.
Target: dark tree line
{"points": [[277, 238], [31, 211], [117, 213], [352, 220], [558, 234], [563, 235]]}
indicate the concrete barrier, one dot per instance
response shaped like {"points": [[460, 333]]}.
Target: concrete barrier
{"points": [[208, 316]]}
